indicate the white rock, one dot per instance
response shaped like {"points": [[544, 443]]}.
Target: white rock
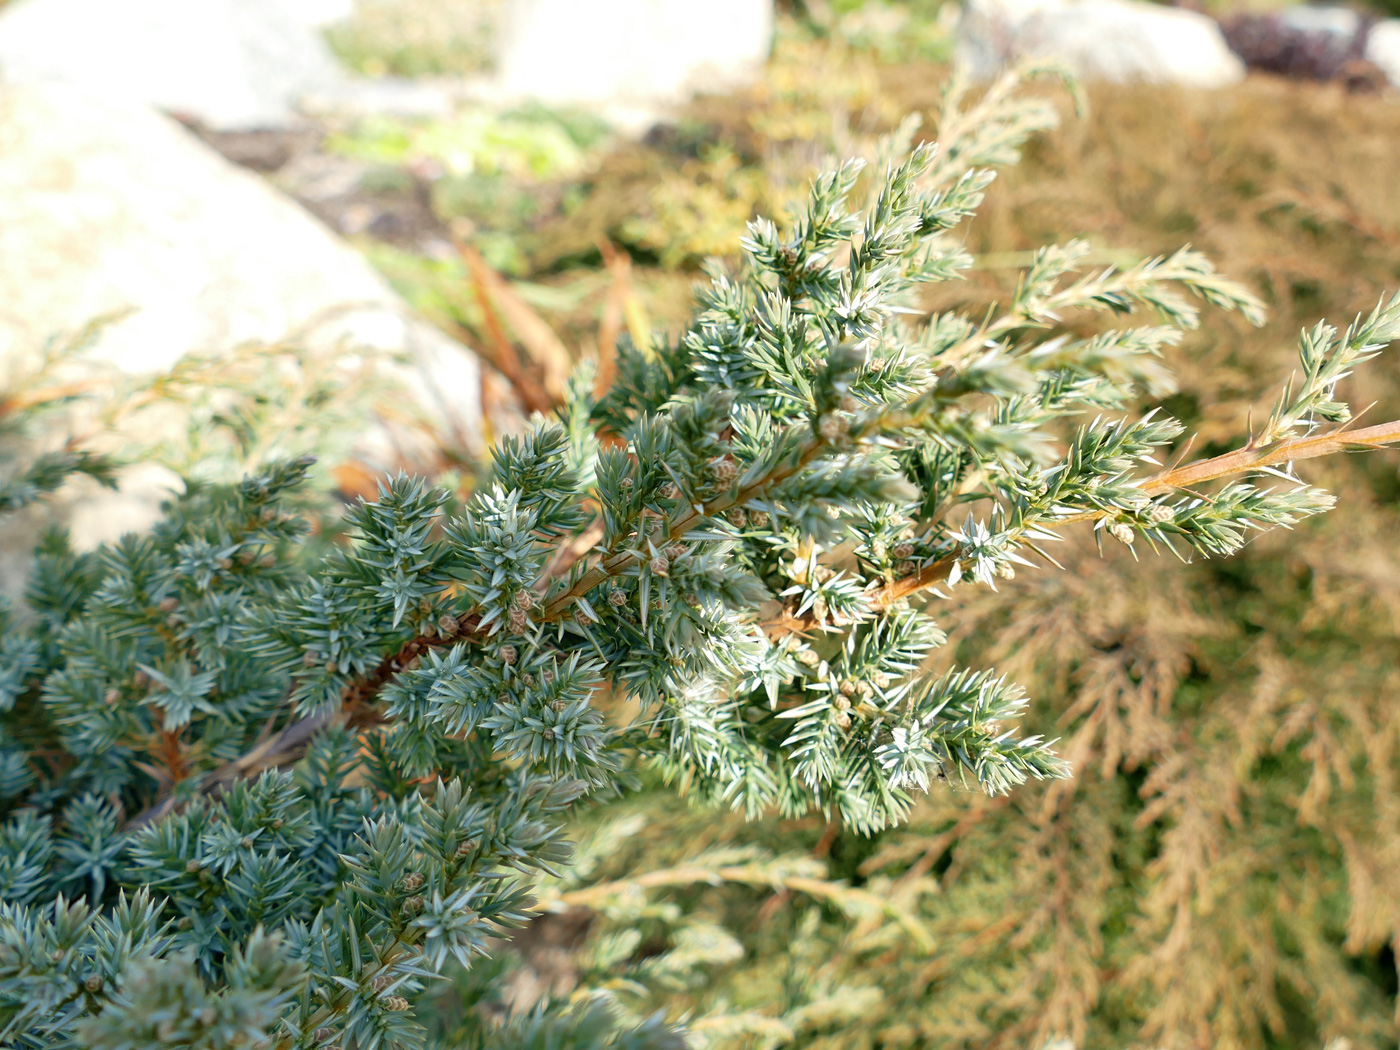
{"points": [[228, 63], [320, 13], [638, 52], [1339, 21], [1115, 40], [105, 207], [1383, 48]]}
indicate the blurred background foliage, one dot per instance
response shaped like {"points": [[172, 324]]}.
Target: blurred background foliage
{"points": [[1225, 869]]}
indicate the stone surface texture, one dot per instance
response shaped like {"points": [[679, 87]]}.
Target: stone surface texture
{"points": [[106, 208], [641, 52], [1383, 48], [1114, 40], [226, 63]]}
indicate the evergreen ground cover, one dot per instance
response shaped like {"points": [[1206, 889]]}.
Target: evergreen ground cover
{"points": [[1236, 893], [1215, 874]]}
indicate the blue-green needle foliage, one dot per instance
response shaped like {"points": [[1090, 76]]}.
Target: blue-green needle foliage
{"points": [[259, 796]]}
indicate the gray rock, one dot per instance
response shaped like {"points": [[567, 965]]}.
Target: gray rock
{"points": [[1383, 48], [1114, 40], [226, 63], [1306, 18], [630, 52], [106, 207]]}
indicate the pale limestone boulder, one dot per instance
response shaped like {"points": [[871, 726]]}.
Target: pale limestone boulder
{"points": [[227, 63], [1335, 21], [1114, 40], [1383, 48], [630, 52], [106, 207]]}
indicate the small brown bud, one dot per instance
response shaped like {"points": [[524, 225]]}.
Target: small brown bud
{"points": [[904, 550], [268, 514], [277, 824], [379, 983], [880, 679], [247, 556], [558, 704], [1006, 570], [865, 689], [670, 490], [396, 1003], [323, 1035], [832, 428], [94, 983], [841, 704], [626, 484], [528, 679], [193, 867], [413, 905], [690, 598], [331, 667], [502, 698], [758, 519], [676, 551], [1160, 513], [111, 696], [412, 880], [225, 563], [465, 847], [617, 598], [843, 719], [819, 608], [1122, 532], [808, 657], [723, 470], [169, 605], [509, 654], [425, 605], [524, 599], [517, 621], [310, 658], [548, 733], [660, 565], [267, 561], [907, 568], [657, 604], [430, 630], [848, 688], [737, 517], [247, 842]]}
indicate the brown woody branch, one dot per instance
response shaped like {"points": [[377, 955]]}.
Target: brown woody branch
{"points": [[286, 747], [1230, 464]]}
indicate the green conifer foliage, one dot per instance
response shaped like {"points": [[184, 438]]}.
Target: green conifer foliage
{"points": [[260, 792]]}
